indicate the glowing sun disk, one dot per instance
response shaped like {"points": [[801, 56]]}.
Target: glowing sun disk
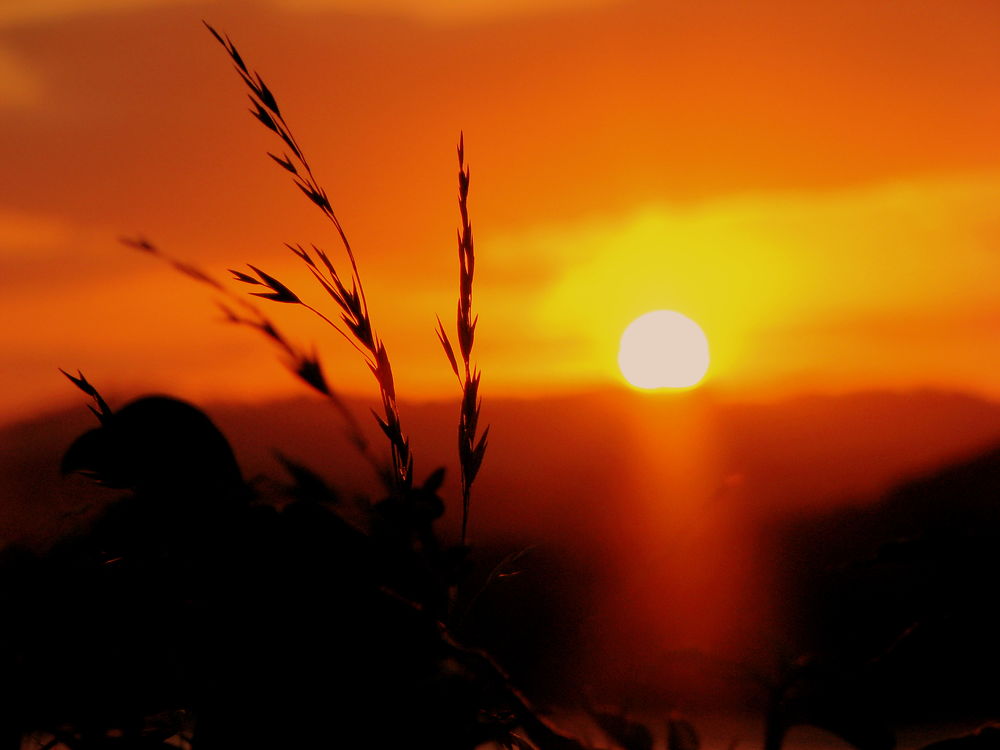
{"points": [[663, 349]]}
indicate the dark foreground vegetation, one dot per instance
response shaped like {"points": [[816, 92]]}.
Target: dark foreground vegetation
{"points": [[190, 609], [194, 612]]}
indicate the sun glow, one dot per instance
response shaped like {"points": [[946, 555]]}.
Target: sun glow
{"points": [[663, 349]]}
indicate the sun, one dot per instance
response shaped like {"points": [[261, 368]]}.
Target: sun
{"points": [[663, 349]]}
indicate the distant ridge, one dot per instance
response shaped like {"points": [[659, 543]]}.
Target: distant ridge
{"points": [[793, 456], [801, 487]]}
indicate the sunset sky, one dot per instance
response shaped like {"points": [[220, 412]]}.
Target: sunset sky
{"points": [[816, 183]]}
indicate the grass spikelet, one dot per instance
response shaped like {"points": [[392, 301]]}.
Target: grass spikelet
{"points": [[355, 320], [100, 409], [471, 446], [304, 365]]}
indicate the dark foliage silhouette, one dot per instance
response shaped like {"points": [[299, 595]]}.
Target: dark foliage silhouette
{"points": [[816, 693], [192, 611], [906, 593], [985, 738], [190, 608]]}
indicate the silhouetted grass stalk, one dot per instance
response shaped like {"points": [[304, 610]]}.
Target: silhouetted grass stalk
{"points": [[100, 408], [304, 365], [355, 324], [470, 450], [355, 321]]}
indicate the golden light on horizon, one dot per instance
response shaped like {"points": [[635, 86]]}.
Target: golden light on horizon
{"points": [[663, 349]]}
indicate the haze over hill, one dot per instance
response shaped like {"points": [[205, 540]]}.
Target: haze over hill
{"points": [[790, 456], [652, 518]]}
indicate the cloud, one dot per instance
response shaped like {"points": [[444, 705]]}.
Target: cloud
{"points": [[29, 12], [446, 11], [20, 87], [26, 235], [781, 282]]}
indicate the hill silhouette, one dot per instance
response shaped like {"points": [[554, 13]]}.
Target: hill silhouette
{"points": [[907, 589], [564, 479], [187, 607]]}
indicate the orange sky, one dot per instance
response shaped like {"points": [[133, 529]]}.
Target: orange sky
{"points": [[816, 183]]}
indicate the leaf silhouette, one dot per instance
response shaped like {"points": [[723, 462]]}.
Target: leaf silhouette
{"points": [[681, 735]]}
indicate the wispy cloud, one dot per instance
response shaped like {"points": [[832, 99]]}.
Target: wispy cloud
{"points": [[780, 281], [20, 86], [23, 235], [28, 12], [445, 11]]}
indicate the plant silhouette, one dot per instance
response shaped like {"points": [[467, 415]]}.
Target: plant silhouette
{"points": [[193, 612], [191, 609]]}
